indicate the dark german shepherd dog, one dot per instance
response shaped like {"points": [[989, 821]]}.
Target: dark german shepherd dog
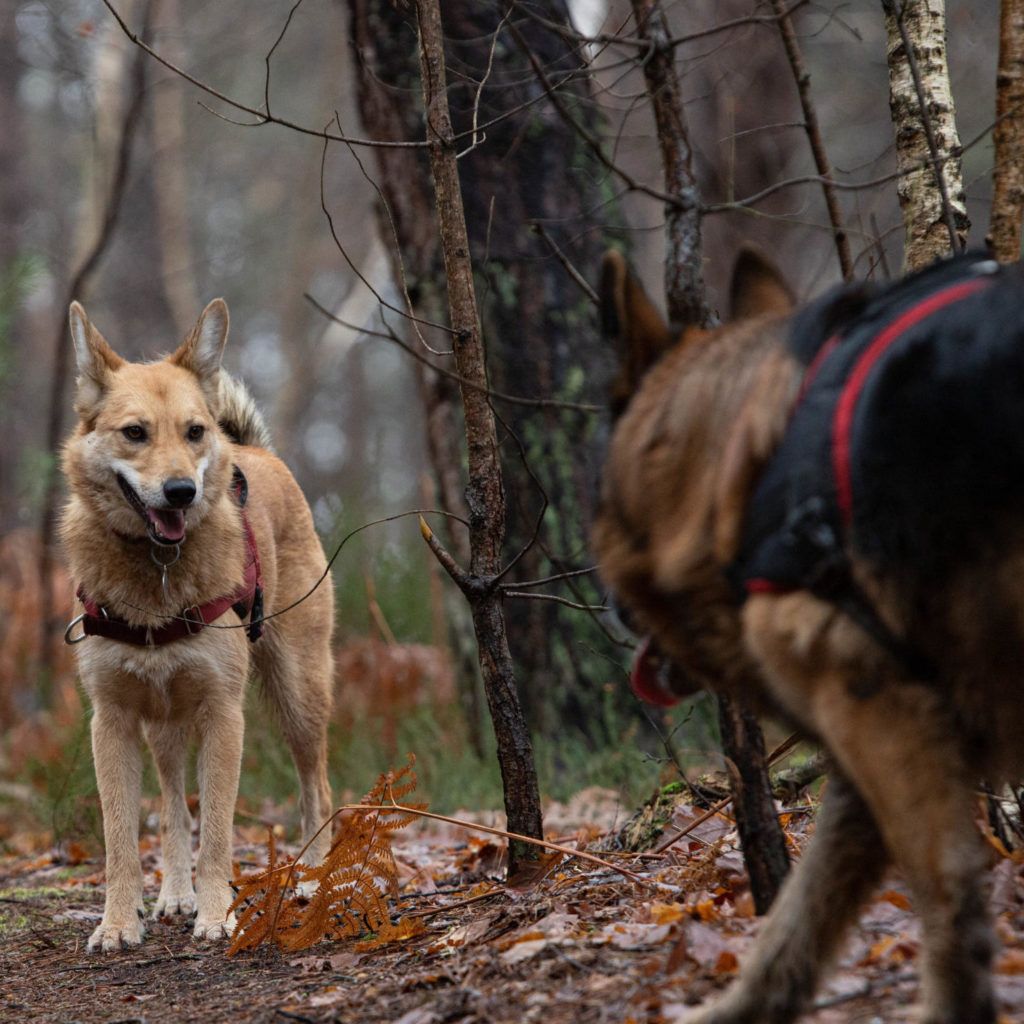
{"points": [[823, 512]]}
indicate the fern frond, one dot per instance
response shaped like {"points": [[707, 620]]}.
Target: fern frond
{"points": [[352, 885]]}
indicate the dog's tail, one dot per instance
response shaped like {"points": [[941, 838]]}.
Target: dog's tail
{"points": [[240, 417]]}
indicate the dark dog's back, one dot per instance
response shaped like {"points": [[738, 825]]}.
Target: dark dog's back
{"points": [[879, 434]]}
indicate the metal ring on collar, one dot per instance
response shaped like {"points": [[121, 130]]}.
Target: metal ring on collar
{"points": [[68, 638]]}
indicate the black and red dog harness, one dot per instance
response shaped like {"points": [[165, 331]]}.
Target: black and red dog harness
{"points": [[807, 506], [247, 600]]}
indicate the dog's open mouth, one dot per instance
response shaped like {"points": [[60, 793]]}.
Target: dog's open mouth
{"points": [[165, 525], [649, 677]]}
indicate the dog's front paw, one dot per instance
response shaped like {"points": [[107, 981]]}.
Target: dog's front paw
{"points": [[221, 928], [183, 904], [110, 936]]}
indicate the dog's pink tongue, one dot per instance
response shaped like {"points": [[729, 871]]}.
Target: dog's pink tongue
{"points": [[168, 523], [645, 681]]}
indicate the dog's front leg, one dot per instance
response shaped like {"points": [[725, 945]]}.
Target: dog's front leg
{"points": [[169, 744], [845, 859], [117, 755], [221, 729]]}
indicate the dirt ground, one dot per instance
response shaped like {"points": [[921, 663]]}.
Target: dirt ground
{"points": [[581, 945]]}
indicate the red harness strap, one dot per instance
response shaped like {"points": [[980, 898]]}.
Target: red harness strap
{"points": [[842, 424], [246, 600]]}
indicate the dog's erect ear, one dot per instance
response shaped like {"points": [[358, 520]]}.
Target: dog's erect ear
{"points": [[202, 350], [96, 360], [757, 287], [631, 320]]}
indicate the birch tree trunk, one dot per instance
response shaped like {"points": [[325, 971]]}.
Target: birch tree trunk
{"points": [[930, 187], [1008, 175]]}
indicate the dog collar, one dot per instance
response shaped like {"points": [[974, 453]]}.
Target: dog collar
{"points": [[247, 600]]}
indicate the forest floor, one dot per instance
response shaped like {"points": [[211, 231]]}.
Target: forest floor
{"points": [[582, 944]]}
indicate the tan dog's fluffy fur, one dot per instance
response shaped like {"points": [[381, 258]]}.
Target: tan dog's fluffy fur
{"points": [[681, 468], [191, 688]]}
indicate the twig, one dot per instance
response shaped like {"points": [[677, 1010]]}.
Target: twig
{"points": [[821, 161], [777, 754], [409, 315], [592, 142], [674, 41], [538, 403], [424, 914], [263, 117], [558, 577], [526, 595], [459, 576], [580, 280]]}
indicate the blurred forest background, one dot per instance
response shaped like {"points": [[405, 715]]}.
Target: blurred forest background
{"points": [[127, 187]]}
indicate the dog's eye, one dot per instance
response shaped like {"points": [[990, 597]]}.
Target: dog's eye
{"points": [[195, 432], [134, 432]]}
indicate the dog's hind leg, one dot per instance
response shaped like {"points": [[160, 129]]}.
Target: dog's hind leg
{"points": [[820, 897], [900, 749], [220, 728], [117, 754], [299, 692], [169, 743]]}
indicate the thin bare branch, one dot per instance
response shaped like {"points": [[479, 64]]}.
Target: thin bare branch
{"points": [[263, 117], [459, 575], [501, 396], [528, 596], [821, 161], [578, 278]]}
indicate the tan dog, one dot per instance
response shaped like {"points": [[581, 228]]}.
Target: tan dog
{"points": [[157, 540], [935, 555]]}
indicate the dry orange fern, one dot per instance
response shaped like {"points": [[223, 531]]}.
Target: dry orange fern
{"points": [[353, 884]]}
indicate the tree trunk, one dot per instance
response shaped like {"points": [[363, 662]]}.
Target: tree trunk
{"points": [[484, 492], [170, 180], [930, 186], [1008, 175], [764, 845], [387, 82], [104, 217]]}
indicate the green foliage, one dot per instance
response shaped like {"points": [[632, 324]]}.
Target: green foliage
{"points": [[16, 280], [394, 568]]}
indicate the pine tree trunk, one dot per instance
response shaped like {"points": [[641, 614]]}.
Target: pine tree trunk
{"points": [[1008, 175]]}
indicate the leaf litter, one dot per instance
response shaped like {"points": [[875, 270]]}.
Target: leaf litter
{"points": [[418, 927]]}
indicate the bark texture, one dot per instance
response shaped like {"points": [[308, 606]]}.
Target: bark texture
{"points": [[1008, 176], [764, 845], [529, 188], [930, 187], [485, 497], [387, 78], [684, 278]]}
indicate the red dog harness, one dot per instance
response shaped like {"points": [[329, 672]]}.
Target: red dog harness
{"points": [[246, 600]]}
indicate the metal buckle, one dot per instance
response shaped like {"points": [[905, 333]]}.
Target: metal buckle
{"points": [[197, 621], [68, 638]]}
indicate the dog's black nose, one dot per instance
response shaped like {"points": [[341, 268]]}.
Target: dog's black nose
{"points": [[179, 492]]}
